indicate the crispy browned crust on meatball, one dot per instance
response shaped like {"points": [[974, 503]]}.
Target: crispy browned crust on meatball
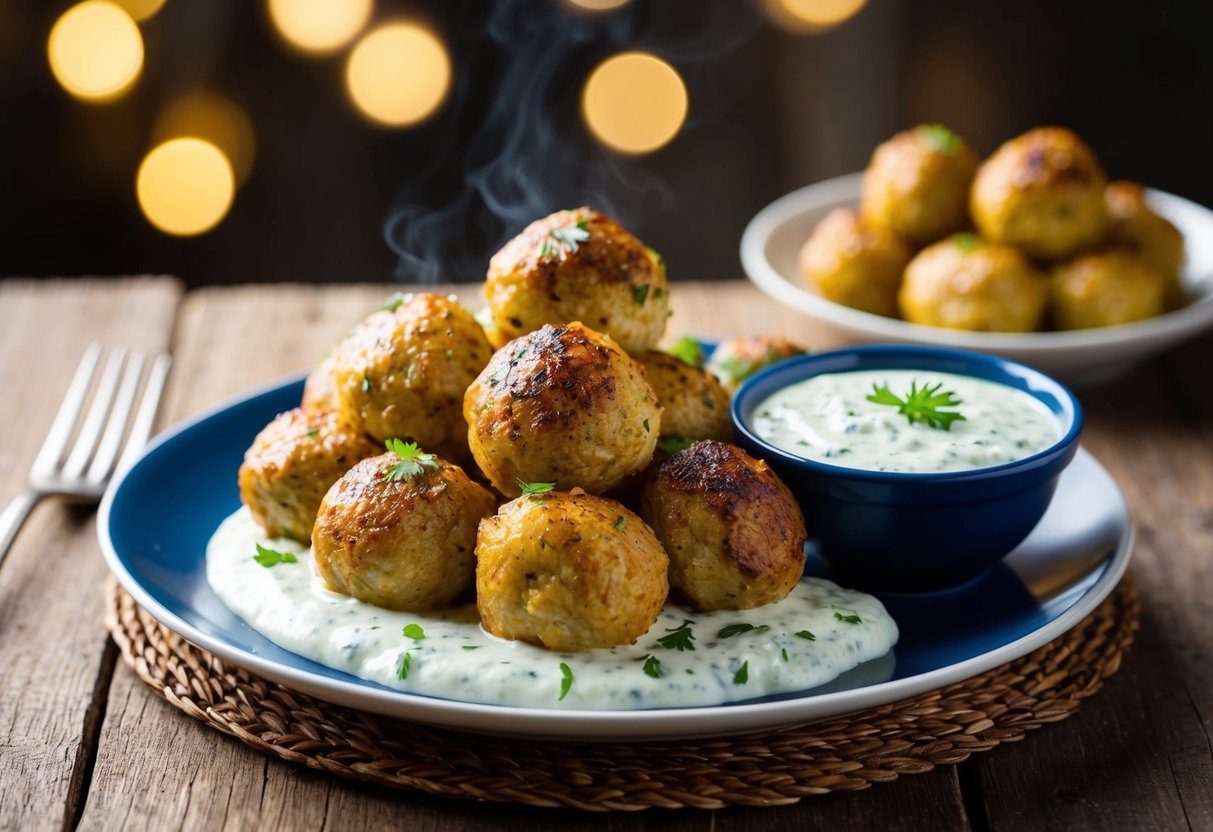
{"points": [[610, 280], [570, 572], [734, 533], [1043, 193], [292, 463], [694, 404], [563, 404], [402, 373], [401, 544], [1151, 237], [1103, 289], [917, 184], [736, 359], [965, 283], [854, 263]]}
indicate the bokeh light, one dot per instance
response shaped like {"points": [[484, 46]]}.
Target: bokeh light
{"points": [[141, 9], [634, 102], [811, 16], [398, 74], [319, 26], [218, 120], [597, 5], [95, 50], [185, 186]]}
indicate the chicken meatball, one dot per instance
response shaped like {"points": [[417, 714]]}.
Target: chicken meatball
{"points": [[290, 465], [402, 373], [965, 283], [1103, 289], [570, 572], [917, 185], [401, 537], [694, 405], [579, 266], [737, 359], [1154, 239], [1043, 193], [734, 533], [563, 404], [853, 263], [320, 388]]}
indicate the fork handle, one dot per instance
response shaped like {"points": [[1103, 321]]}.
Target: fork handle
{"points": [[13, 517]]}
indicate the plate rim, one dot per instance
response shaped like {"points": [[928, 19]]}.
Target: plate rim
{"points": [[1162, 329], [597, 725]]}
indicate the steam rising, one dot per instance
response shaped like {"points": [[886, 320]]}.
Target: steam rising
{"points": [[530, 155]]}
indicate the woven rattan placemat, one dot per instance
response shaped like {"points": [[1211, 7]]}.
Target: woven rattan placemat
{"points": [[845, 754]]}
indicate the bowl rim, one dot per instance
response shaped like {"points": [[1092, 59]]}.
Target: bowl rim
{"points": [[1178, 323], [1063, 447]]}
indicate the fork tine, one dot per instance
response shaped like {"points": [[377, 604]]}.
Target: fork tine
{"points": [[119, 417], [94, 420], [146, 417], [61, 428]]}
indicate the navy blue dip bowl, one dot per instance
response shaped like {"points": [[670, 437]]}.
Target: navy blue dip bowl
{"points": [[899, 532]]}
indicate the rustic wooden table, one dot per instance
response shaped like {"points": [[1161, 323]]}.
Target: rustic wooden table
{"points": [[84, 743]]}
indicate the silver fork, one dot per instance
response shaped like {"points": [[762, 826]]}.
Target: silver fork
{"points": [[81, 469]]}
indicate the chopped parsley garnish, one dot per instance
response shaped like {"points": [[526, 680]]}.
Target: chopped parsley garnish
{"points": [[849, 618], [742, 675], [922, 404], [740, 627], [652, 667], [414, 631], [674, 444], [646, 425], [270, 557], [313, 432], [688, 350], [532, 489], [566, 680], [966, 241], [938, 138], [412, 461], [394, 302], [566, 239], [471, 647], [640, 293], [783, 651], [806, 635], [680, 638], [402, 669], [621, 523]]}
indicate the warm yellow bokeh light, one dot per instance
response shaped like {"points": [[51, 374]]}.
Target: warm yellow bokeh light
{"points": [[319, 26], [209, 116], [811, 16], [141, 9], [597, 5], [398, 74], [634, 102], [95, 50], [185, 186]]}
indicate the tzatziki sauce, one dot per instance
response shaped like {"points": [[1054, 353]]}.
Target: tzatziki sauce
{"points": [[829, 418], [687, 659]]}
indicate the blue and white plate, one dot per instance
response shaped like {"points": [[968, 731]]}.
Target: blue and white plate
{"points": [[155, 522]]}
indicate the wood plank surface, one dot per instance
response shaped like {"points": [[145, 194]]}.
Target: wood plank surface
{"points": [[157, 769], [55, 662]]}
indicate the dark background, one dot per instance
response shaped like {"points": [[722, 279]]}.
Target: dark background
{"points": [[770, 111]]}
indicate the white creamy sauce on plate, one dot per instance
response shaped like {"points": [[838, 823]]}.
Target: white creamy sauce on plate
{"points": [[456, 659], [829, 418]]}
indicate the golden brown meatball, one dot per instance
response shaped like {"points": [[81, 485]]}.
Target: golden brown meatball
{"points": [[570, 572], [402, 373], [917, 185], [563, 404], [853, 263], [734, 533], [579, 265], [1042, 193], [965, 283], [737, 359], [403, 539], [1154, 239], [290, 465], [1103, 289], [693, 403], [320, 388]]}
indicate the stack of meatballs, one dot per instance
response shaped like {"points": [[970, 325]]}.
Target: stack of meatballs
{"points": [[517, 448], [1034, 237]]}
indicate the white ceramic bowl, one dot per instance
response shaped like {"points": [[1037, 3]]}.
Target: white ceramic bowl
{"points": [[772, 241]]}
